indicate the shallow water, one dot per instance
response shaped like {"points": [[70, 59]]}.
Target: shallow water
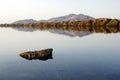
{"points": [[76, 55]]}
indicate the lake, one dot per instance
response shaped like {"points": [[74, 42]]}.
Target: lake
{"points": [[76, 55]]}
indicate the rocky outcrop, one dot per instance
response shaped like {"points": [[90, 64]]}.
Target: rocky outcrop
{"points": [[44, 54]]}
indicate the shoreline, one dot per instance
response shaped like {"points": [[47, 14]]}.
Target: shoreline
{"points": [[97, 25]]}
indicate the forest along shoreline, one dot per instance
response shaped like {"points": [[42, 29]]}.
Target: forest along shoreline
{"points": [[97, 25]]}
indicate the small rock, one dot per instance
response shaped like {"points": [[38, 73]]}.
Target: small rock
{"points": [[44, 54]]}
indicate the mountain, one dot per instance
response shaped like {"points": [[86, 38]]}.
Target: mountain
{"points": [[70, 17], [25, 21]]}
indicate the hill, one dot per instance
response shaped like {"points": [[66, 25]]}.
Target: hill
{"points": [[25, 21], [70, 17]]}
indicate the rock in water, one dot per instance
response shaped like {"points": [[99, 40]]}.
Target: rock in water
{"points": [[44, 54]]}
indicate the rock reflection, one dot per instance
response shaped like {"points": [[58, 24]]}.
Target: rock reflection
{"points": [[44, 54]]}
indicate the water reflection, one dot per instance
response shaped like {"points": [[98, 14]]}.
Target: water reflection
{"points": [[70, 33], [95, 57], [25, 29], [40, 55]]}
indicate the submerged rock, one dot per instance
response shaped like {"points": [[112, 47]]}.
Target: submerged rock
{"points": [[44, 54]]}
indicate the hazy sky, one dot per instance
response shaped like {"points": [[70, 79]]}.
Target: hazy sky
{"points": [[12, 10]]}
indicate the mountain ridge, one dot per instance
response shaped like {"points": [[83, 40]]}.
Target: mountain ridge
{"points": [[69, 17], [25, 21]]}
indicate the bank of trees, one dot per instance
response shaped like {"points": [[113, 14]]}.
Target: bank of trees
{"points": [[97, 25]]}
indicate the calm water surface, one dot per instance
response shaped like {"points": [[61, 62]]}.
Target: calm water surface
{"points": [[76, 55]]}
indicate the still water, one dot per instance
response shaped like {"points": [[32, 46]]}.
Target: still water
{"points": [[76, 55]]}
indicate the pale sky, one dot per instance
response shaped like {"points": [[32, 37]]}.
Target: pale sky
{"points": [[12, 10]]}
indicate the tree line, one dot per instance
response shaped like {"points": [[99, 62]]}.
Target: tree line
{"points": [[97, 25]]}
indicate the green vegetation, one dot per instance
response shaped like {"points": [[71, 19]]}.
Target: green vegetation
{"points": [[97, 25]]}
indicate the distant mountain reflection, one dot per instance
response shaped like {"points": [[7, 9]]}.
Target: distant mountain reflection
{"points": [[25, 29], [69, 33]]}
